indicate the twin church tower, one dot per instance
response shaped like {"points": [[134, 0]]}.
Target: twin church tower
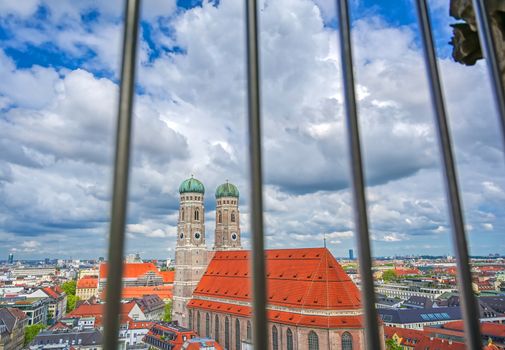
{"points": [[191, 253]]}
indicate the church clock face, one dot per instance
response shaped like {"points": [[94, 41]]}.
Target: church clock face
{"points": [[197, 236], [181, 236], [234, 236]]}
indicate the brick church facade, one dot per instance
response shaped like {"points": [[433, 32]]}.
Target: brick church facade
{"points": [[312, 303]]}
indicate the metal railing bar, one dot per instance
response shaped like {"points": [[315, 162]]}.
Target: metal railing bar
{"points": [[260, 338], [121, 169], [372, 337], [490, 53], [467, 300]]}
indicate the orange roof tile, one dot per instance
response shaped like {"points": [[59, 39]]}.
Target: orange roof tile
{"points": [[307, 278], [439, 344], [90, 310], [52, 292], [486, 328], [168, 276], [164, 292], [130, 270], [141, 325], [59, 325], [87, 282], [409, 337]]}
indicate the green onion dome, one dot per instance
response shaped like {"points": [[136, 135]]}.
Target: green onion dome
{"points": [[191, 185], [227, 190]]}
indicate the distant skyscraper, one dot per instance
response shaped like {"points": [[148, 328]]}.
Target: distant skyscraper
{"points": [[11, 258], [351, 254]]}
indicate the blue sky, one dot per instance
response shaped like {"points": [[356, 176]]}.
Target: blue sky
{"points": [[58, 94]]}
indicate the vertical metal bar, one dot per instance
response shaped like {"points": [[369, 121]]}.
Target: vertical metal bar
{"points": [[469, 305], [491, 55], [121, 168], [372, 337], [260, 338]]}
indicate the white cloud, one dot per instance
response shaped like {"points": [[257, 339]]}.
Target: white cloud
{"points": [[57, 136]]}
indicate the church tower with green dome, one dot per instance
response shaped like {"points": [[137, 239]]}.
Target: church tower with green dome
{"points": [[227, 234], [191, 256]]}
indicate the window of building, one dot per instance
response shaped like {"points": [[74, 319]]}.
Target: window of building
{"points": [[219, 217], [249, 331], [275, 341], [346, 341], [237, 334], [232, 216], [207, 325], [289, 339], [197, 215], [216, 328], [226, 333], [313, 341]]}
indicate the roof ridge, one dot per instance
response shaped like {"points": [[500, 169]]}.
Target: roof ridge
{"points": [[310, 286]]}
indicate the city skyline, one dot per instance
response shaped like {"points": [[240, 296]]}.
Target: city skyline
{"points": [[58, 98]]}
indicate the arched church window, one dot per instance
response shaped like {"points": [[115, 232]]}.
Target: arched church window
{"points": [[219, 217], [237, 334], [197, 215], [216, 329], [313, 341], [289, 339], [226, 333], [232, 216], [182, 213], [207, 325], [249, 331], [275, 341], [198, 323], [346, 341]]}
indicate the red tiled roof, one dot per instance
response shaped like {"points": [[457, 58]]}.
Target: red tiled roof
{"points": [[130, 270], [87, 282], [140, 325], [52, 292], [90, 310], [164, 292], [59, 325], [197, 343], [20, 315], [168, 276], [486, 328], [174, 343], [307, 278], [409, 337], [439, 344]]}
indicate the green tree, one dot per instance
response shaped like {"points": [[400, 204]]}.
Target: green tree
{"points": [[389, 275], [391, 344], [32, 331], [69, 287], [167, 317], [71, 301]]}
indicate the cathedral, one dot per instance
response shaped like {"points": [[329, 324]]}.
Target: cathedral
{"points": [[191, 253], [312, 302]]}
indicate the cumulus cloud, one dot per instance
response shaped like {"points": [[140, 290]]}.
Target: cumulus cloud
{"points": [[58, 124]]}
